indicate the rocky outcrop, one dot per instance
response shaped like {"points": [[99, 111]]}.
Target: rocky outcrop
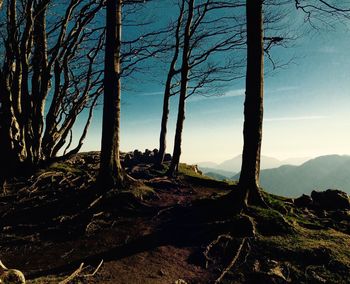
{"points": [[303, 201], [331, 199], [136, 157]]}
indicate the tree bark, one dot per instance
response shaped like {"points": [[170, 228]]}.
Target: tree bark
{"points": [[111, 173], [253, 106], [40, 80], [185, 68], [167, 91]]}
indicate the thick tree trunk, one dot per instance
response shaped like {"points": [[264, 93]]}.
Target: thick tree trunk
{"points": [[253, 106], [183, 92], [111, 173]]}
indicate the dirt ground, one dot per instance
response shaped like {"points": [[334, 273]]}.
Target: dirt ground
{"points": [[47, 250], [57, 228]]}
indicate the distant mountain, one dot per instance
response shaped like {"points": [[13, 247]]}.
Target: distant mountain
{"points": [[234, 165], [321, 173], [216, 176], [207, 165], [295, 161], [212, 172], [332, 171]]}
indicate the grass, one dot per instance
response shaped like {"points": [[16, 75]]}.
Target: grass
{"points": [[65, 168], [188, 173]]}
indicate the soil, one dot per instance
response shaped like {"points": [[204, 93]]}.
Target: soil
{"points": [[161, 231]]}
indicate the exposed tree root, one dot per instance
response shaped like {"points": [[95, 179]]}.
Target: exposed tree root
{"points": [[233, 262], [78, 273], [73, 275], [210, 247]]}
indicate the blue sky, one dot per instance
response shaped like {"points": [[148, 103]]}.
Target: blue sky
{"points": [[306, 108]]}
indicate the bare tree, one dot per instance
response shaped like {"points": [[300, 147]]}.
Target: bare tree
{"points": [[168, 87], [253, 106], [111, 173], [204, 32], [48, 74]]}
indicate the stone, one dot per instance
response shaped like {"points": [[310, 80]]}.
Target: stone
{"points": [[303, 201], [137, 154], [128, 160], [167, 157], [331, 199]]}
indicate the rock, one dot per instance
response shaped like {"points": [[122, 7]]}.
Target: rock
{"points": [[137, 155], [268, 271], [180, 281], [195, 169], [303, 201], [141, 172], [11, 276], [147, 153], [128, 160], [167, 158], [331, 199]]}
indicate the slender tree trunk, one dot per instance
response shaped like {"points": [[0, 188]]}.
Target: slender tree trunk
{"points": [[167, 91], [164, 126], [183, 92], [40, 84], [111, 173], [253, 106], [12, 142]]}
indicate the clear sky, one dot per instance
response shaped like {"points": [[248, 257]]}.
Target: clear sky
{"points": [[306, 108]]}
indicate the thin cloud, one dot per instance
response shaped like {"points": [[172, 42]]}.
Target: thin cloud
{"points": [[239, 93], [282, 89], [136, 122], [150, 94], [228, 94], [295, 118]]}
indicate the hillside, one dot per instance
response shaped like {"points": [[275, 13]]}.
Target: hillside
{"points": [[217, 173], [324, 172], [58, 228]]}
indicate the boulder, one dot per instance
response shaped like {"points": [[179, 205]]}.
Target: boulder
{"points": [[147, 152], [303, 201], [128, 160], [331, 199], [137, 155], [167, 158]]}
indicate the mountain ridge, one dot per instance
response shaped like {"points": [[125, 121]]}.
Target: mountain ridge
{"points": [[319, 173]]}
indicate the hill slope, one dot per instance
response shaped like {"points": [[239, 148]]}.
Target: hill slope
{"points": [[331, 171]]}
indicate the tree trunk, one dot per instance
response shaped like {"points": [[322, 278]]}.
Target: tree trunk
{"points": [[167, 91], [40, 84], [164, 124], [183, 92], [111, 173], [12, 143], [253, 106]]}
